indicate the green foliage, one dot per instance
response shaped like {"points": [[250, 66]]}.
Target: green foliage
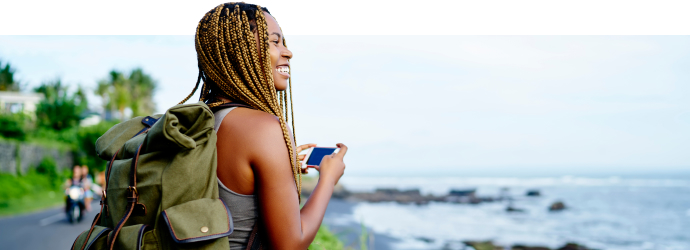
{"points": [[43, 178], [87, 137], [12, 126], [363, 237], [48, 168], [7, 81], [65, 139], [60, 109], [326, 240], [133, 91]]}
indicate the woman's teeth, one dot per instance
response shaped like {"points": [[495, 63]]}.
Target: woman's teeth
{"points": [[283, 69]]}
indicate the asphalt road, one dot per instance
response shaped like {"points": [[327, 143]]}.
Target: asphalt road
{"points": [[47, 229]]}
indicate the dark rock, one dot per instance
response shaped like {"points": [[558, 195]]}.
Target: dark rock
{"points": [[425, 239], [483, 245], [533, 192], [557, 206], [573, 246], [512, 209], [521, 247], [466, 192]]}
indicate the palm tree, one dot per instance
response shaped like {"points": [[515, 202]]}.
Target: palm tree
{"points": [[142, 87], [134, 91], [7, 81]]}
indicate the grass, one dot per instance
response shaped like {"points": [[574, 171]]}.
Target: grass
{"points": [[31, 203], [326, 240], [39, 188]]}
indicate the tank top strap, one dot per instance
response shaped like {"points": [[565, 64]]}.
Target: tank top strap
{"points": [[220, 115]]}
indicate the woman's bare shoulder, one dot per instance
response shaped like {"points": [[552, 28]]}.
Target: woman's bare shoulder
{"points": [[252, 126]]}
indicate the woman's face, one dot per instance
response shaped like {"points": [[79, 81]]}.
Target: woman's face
{"points": [[280, 55]]}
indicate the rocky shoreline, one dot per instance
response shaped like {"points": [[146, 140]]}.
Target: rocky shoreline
{"points": [[414, 196], [488, 245], [466, 196]]}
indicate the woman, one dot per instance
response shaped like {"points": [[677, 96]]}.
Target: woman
{"points": [[242, 58]]}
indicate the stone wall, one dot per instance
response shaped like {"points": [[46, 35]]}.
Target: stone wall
{"points": [[29, 155], [8, 157]]}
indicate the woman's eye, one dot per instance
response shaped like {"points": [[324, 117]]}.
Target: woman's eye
{"points": [[276, 42]]}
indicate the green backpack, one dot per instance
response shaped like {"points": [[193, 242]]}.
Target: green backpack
{"points": [[161, 188]]}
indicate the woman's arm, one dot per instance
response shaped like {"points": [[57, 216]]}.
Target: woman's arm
{"points": [[285, 226]]}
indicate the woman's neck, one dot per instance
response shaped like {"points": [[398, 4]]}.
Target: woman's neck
{"points": [[225, 100]]}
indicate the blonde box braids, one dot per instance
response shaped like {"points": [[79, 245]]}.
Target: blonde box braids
{"points": [[231, 65]]}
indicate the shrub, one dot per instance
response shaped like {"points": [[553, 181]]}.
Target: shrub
{"points": [[87, 137], [12, 126], [48, 168]]}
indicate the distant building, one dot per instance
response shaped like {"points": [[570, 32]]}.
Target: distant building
{"points": [[15, 102], [90, 119]]}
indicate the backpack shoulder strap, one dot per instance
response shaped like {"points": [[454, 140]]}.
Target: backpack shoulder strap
{"points": [[254, 242], [230, 105]]}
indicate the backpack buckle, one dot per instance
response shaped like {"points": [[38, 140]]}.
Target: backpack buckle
{"points": [[132, 194]]}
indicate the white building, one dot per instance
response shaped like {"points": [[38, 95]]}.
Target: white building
{"points": [[15, 102]]}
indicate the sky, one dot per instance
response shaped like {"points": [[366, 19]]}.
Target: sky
{"points": [[414, 92], [405, 105]]}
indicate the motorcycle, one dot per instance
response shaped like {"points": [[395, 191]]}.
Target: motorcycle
{"points": [[75, 203]]}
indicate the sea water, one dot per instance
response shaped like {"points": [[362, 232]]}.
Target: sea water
{"points": [[602, 213]]}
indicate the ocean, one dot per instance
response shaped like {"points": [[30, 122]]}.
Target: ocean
{"points": [[602, 213]]}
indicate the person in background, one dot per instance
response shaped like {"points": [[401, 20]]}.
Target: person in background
{"points": [[99, 183], [87, 182], [76, 177]]}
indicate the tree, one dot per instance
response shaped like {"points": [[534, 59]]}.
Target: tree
{"points": [[60, 109], [7, 81], [133, 91]]}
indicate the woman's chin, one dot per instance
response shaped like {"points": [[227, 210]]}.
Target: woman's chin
{"points": [[281, 86]]}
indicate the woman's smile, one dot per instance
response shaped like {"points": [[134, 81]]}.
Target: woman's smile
{"points": [[284, 70]]}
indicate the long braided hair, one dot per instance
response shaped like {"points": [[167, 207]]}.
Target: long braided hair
{"points": [[232, 66]]}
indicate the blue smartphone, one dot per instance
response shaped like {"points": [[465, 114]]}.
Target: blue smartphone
{"points": [[316, 155]]}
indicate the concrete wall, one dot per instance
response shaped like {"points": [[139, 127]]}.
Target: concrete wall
{"points": [[29, 156]]}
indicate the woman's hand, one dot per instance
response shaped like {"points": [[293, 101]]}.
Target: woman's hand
{"points": [[332, 166], [300, 158]]}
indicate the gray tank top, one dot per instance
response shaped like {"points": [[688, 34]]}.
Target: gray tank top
{"points": [[242, 207]]}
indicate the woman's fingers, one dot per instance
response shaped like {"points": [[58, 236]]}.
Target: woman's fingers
{"points": [[343, 150], [301, 157], [301, 148], [306, 169]]}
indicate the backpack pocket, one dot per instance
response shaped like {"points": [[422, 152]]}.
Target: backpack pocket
{"points": [[132, 237], [97, 239], [198, 220]]}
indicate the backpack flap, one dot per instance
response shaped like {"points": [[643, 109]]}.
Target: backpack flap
{"points": [[198, 220], [99, 234], [110, 142]]}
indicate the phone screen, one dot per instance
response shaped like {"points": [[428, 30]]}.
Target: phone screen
{"points": [[317, 155]]}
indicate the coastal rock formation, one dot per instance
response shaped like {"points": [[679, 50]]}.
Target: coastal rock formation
{"points": [[400, 196], [521, 247], [489, 245], [557, 206]]}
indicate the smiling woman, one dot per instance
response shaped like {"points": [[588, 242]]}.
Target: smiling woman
{"points": [[245, 68]]}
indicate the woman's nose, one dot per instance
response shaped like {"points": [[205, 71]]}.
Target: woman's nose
{"points": [[287, 53]]}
